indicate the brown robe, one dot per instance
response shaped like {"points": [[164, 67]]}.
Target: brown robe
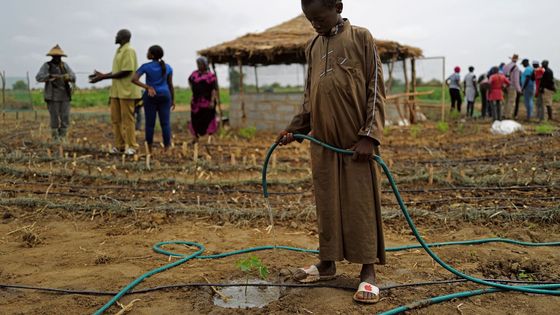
{"points": [[343, 102]]}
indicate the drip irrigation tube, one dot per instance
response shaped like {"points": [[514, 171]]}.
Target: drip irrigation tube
{"points": [[547, 289]]}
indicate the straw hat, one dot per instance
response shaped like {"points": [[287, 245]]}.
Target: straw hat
{"points": [[56, 51]]}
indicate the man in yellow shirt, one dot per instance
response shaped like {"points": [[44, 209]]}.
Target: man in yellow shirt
{"points": [[124, 94]]}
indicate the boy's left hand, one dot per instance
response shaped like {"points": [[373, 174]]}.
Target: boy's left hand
{"points": [[363, 150]]}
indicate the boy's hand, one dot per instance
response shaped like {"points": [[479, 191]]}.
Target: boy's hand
{"points": [[285, 138], [363, 150]]}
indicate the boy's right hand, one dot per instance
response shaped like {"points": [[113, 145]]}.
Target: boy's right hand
{"points": [[285, 138]]}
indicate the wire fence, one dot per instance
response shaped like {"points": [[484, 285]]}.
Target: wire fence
{"points": [[15, 92]]}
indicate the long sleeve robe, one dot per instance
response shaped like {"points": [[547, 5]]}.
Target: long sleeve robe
{"points": [[344, 100]]}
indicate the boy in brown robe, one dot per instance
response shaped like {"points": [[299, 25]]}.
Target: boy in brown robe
{"points": [[344, 107]]}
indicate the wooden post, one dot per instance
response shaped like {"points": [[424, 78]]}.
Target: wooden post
{"points": [[3, 79], [389, 86], [219, 105], [412, 98], [406, 89], [241, 89], [29, 91], [443, 91]]}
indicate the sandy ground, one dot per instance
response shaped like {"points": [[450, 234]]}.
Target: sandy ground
{"points": [[75, 217]]}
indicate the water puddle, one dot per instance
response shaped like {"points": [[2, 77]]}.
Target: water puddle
{"points": [[254, 297]]}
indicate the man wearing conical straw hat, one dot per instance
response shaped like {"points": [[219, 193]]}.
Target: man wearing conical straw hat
{"points": [[57, 77]]}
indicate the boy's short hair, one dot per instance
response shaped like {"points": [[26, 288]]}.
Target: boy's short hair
{"points": [[327, 3]]}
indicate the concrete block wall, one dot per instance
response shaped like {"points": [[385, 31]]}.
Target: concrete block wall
{"points": [[265, 111]]}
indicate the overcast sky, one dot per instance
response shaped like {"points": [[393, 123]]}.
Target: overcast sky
{"points": [[468, 32]]}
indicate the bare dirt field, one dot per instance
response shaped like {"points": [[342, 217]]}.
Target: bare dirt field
{"points": [[75, 217]]}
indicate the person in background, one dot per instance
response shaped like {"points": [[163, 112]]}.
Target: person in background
{"points": [[539, 73], [204, 86], [548, 88], [57, 76], [528, 87], [496, 93], [484, 85], [124, 94], [501, 68], [159, 95], [454, 84], [471, 91], [513, 74]]}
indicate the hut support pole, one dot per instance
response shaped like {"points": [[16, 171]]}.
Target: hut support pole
{"points": [[412, 98], [219, 105], [241, 89]]}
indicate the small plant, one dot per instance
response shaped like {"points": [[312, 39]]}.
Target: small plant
{"points": [[386, 131], [415, 131], [252, 265], [247, 133], [442, 127], [544, 129], [455, 114]]}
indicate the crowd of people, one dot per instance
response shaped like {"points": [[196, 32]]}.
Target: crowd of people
{"points": [[126, 98], [502, 88]]}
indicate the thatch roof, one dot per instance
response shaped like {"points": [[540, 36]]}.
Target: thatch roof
{"points": [[285, 44]]}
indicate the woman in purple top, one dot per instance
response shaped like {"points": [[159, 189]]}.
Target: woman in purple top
{"points": [[159, 95], [204, 86]]}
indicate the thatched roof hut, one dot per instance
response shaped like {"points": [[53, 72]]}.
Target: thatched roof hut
{"points": [[285, 44]]}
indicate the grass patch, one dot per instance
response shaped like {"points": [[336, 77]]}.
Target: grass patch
{"points": [[544, 129], [85, 98]]}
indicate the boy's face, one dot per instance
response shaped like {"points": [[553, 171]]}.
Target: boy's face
{"points": [[322, 18]]}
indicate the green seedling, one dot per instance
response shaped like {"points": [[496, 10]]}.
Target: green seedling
{"points": [[455, 115], [544, 129], [252, 265], [247, 133], [442, 127], [415, 131]]}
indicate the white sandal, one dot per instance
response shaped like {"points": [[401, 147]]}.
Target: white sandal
{"points": [[367, 288], [313, 275]]}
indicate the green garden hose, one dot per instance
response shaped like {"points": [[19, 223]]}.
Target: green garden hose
{"points": [[549, 289]]}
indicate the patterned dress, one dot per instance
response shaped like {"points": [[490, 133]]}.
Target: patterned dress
{"points": [[203, 110]]}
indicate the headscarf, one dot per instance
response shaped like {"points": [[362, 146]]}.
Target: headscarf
{"points": [[457, 69], [203, 60]]}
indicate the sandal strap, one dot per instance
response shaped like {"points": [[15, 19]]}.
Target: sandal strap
{"points": [[369, 288], [311, 271]]}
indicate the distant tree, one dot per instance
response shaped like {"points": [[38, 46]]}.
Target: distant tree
{"points": [[20, 85]]}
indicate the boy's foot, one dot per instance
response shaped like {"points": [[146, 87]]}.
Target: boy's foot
{"points": [[323, 271], [367, 293]]}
